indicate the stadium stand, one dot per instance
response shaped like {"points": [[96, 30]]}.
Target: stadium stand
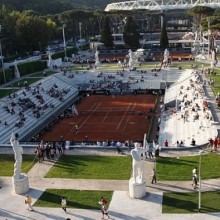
{"points": [[27, 110], [186, 114]]}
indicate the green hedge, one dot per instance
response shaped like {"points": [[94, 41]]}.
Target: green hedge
{"points": [[61, 54], [8, 76], [31, 67], [24, 69]]}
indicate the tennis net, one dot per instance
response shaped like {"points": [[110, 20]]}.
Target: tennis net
{"points": [[116, 112]]}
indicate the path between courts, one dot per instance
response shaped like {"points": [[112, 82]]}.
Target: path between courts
{"points": [[122, 207]]}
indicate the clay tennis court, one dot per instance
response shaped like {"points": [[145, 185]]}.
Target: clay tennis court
{"points": [[102, 117]]}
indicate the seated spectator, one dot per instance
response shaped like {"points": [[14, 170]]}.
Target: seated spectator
{"points": [[118, 144], [181, 144], [178, 144], [119, 150], [193, 142], [113, 143], [166, 144]]}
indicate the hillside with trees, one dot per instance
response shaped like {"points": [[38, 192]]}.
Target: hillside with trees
{"points": [[54, 6]]}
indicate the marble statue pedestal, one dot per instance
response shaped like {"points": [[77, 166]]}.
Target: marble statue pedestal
{"points": [[137, 190], [97, 64], [20, 186]]}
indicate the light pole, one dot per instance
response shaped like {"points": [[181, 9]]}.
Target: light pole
{"points": [[2, 62], [200, 182], [80, 34], [64, 41], [209, 36], [201, 39]]}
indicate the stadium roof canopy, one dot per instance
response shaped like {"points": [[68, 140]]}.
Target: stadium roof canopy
{"points": [[161, 5]]}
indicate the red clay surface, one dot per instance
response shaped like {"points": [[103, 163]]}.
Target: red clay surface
{"points": [[129, 124]]}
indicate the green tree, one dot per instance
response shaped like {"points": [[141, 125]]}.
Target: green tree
{"points": [[106, 35], [198, 13], [212, 26], [99, 17], [32, 30], [164, 41], [72, 19], [131, 35]]}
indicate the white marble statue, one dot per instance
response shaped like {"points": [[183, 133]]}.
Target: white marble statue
{"points": [[213, 55], [97, 58], [16, 70], [137, 164], [166, 56], [131, 58], [119, 63], [18, 151], [50, 61], [212, 62]]}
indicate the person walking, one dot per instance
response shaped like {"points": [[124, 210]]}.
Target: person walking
{"points": [[76, 128], [150, 152], [210, 145], [28, 202], [215, 143], [103, 203], [38, 153], [154, 178], [63, 203], [166, 144], [195, 178]]}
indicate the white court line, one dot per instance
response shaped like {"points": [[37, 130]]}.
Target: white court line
{"points": [[87, 118], [94, 105], [129, 117], [123, 117], [105, 117]]}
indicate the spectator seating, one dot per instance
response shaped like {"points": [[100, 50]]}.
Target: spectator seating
{"points": [[28, 109], [190, 117], [172, 92]]}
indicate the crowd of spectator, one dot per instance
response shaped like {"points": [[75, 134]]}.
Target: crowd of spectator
{"points": [[192, 106], [30, 102]]}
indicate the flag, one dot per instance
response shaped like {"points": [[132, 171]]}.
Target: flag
{"points": [[145, 145]]}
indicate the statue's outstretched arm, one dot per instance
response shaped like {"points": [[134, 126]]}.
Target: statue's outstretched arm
{"points": [[12, 137]]}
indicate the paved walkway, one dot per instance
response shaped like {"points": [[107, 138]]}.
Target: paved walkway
{"points": [[122, 207]]}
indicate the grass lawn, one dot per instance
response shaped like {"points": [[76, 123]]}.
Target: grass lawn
{"points": [[216, 90], [91, 167], [188, 202], [216, 78], [40, 74], [6, 92], [82, 199], [181, 169], [148, 65], [7, 164], [188, 64], [31, 80]]}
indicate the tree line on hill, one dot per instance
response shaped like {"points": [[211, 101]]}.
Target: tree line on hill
{"points": [[44, 7], [27, 31]]}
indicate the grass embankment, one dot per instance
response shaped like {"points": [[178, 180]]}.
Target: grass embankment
{"points": [[188, 202], [180, 169], [81, 199], [7, 164], [91, 167]]}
